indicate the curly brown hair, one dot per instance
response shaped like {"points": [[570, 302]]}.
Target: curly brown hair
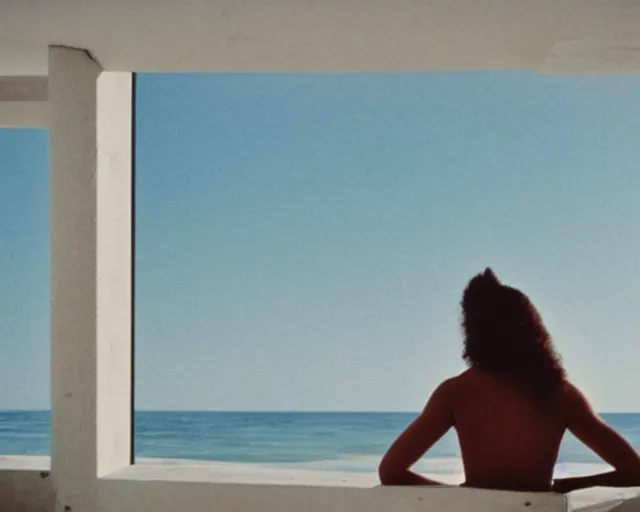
{"points": [[504, 335]]}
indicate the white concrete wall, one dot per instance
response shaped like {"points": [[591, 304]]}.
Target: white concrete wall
{"points": [[26, 491], [24, 114], [23, 102], [25, 484]]}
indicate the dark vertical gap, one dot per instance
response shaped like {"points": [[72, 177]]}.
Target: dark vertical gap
{"points": [[133, 264]]}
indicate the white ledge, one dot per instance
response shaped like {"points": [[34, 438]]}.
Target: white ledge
{"points": [[177, 489], [180, 470], [24, 463]]}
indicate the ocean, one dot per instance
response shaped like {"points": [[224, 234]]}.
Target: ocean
{"points": [[351, 442], [310, 448]]}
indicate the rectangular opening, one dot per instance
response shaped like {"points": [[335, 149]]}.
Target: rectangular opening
{"points": [[302, 242], [24, 299]]}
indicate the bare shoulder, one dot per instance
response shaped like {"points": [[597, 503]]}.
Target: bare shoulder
{"points": [[461, 379], [469, 377], [442, 401], [571, 394], [451, 387], [574, 400]]}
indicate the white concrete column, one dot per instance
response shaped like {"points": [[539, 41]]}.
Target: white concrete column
{"points": [[91, 274]]}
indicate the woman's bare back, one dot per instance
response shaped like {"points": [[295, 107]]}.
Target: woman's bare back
{"points": [[506, 441]]}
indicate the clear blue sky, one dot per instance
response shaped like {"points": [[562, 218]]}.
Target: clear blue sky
{"points": [[303, 241]]}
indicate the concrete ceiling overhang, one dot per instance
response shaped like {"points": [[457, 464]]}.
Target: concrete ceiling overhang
{"points": [[551, 36]]}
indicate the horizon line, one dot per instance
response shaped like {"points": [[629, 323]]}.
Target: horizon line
{"points": [[275, 411]]}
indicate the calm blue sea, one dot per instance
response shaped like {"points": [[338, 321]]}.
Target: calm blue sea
{"points": [[327, 441]]}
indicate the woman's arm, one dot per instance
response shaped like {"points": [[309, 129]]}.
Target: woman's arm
{"points": [[436, 419], [610, 479], [585, 424]]}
